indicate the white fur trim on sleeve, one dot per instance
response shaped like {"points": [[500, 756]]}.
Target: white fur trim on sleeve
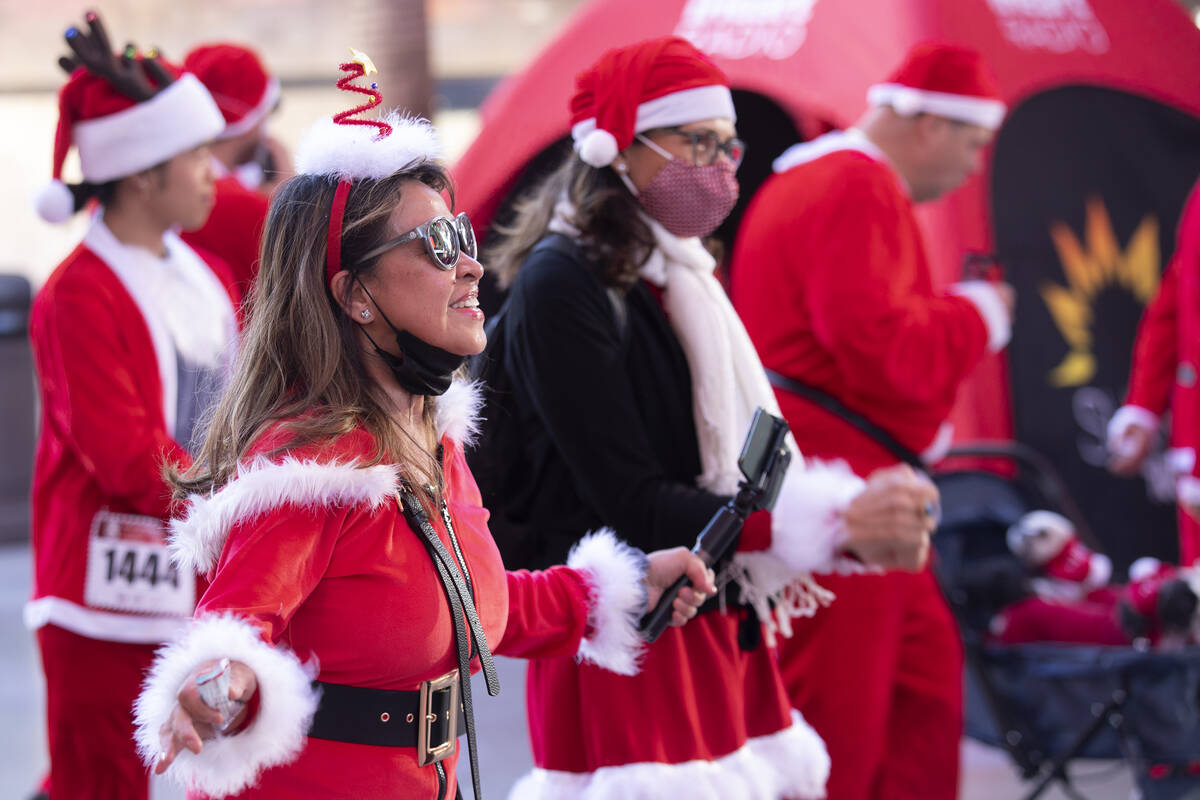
{"points": [[197, 539], [1187, 490], [1129, 416], [353, 151], [458, 412], [1099, 570], [616, 600], [991, 308], [228, 764], [805, 533]]}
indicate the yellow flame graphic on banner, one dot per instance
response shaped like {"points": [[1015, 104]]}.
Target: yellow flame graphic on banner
{"points": [[1090, 269]]}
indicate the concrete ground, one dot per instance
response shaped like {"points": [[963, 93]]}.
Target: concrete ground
{"points": [[504, 742]]}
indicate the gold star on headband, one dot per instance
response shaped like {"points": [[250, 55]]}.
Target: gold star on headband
{"points": [[359, 57]]}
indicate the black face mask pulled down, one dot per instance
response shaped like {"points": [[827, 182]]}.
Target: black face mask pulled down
{"points": [[420, 368]]}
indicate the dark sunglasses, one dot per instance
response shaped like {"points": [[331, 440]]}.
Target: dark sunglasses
{"points": [[706, 146], [444, 240]]}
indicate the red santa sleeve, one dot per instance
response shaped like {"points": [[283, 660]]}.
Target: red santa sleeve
{"points": [[91, 396], [590, 608], [1155, 355], [891, 337], [265, 539]]}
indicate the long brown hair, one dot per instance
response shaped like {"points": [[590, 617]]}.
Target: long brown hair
{"points": [[300, 358], [616, 242]]}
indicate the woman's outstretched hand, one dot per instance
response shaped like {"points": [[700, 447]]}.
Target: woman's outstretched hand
{"points": [[664, 568], [889, 523], [192, 721]]}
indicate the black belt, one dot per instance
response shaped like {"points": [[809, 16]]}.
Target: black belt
{"points": [[429, 718]]}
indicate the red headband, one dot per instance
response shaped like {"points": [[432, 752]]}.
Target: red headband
{"points": [[333, 246]]}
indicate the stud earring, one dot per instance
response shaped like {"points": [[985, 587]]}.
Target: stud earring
{"points": [[619, 166], [365, 314]]}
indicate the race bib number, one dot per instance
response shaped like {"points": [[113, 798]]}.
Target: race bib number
{"points": [[129, 569]]}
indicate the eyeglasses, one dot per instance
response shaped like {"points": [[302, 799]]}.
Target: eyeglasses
{"points": [[444, 239], [706, 146]]}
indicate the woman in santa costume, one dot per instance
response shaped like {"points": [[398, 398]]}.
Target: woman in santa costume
{"points": [[247, 95], [1163, 377], [353, 584], [624, 385], [831, 277], [131, 336]]}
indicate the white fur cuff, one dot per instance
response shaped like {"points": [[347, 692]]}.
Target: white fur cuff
{"points": [[806, 528], [1187, 490], [229, 764], [1130, 417], [989, 305], [616, 600]]}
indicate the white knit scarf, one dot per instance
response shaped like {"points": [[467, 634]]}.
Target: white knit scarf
{"points": [[728, 381]]}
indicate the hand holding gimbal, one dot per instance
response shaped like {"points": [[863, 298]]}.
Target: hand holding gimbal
{"points": [[763, 462]]}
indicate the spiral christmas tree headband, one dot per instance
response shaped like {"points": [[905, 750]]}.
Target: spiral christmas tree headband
{"points": [[351, 148]]}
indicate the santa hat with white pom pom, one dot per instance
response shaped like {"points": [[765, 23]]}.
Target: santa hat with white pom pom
{"points": [[117, 136], [653, 84]]}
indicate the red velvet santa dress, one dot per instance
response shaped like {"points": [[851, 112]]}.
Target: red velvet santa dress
{"points": [[1163, 375], [314, 573], [830, 275], [125, 345]]}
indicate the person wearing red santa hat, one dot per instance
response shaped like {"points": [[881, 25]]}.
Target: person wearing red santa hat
{"points": [[353, 584], [131, 335], [248, 162], [1163, 377], [830, 275], [625, 384]]}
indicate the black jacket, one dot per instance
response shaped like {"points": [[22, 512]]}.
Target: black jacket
{"points": [[588, 420]]}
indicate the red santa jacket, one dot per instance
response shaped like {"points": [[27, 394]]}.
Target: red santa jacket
{"points": [[107, 381], [830, 276], [234, 229], [1165, 359], [311, 560]]}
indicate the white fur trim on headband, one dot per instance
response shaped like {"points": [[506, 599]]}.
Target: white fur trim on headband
{"points": [[196, 540], [175, 120], [353, 152], [792, 762], [991, 308], [677, 108], [908, 101], [616, 600], [228, 764], [458, 412], [265, 105]]}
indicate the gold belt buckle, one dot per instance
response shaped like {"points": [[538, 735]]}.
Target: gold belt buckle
{"points": [[427, 754]]}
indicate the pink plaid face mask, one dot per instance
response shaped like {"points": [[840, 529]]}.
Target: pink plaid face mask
{"points": [[689, 200]]}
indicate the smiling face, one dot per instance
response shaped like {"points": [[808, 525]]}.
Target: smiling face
{"points": [[440, 307]]}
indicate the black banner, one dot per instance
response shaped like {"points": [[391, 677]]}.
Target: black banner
{"points": [[1088, 184]]}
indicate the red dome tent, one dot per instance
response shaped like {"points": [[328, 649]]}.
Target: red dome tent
{"points": [[1083, 190]]}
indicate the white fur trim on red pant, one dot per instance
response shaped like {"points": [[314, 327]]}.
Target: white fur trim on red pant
{"points": [[616, 600], [791, 763], [228, 764], [197, 539], [991, 308]]}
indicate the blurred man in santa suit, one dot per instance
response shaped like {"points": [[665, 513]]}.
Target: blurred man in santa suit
{"points": [[830, 275], [249, 163], [1163, 376]]}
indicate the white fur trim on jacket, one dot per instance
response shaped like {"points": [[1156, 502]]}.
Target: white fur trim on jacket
{"points": [[196, 540], [1128, 416], [790, 763], [616, 600], [458, 412], [805, 534], [228, 764], [353, 152], [991, 308], [1187, 490]]}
